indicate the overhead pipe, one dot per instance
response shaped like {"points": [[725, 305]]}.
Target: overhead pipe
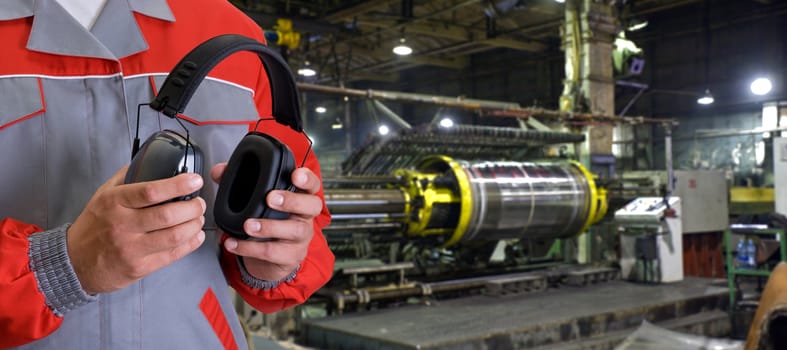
{"points": [[495, 108]]}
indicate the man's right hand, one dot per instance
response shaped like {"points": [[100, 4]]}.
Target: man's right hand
{"points": [[122, 235]]}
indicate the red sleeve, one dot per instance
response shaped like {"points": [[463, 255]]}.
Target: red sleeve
{"points": [[24, 315], [315, 270]]}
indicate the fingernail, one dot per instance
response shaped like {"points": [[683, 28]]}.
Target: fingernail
{"points": [[253, 226], [276, 199], [300, 179], [201, 237], [195, 182], [230, 244]]}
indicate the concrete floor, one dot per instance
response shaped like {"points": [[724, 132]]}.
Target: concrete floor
{"points": [[519, 321]]}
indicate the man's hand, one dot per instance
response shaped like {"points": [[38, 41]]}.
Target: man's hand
{"points": [[289, 239], [122, 234]]}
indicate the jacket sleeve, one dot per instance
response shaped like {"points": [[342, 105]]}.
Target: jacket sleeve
{"points": [[37, 282], [314, 271]]}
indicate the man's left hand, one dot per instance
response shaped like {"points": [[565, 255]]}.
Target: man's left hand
{"points": [[288, 240]]}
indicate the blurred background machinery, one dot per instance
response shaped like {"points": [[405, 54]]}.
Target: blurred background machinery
{"points": [[434, 211], [480, 227]]}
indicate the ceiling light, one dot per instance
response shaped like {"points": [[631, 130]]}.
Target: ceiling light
{"points": [[636, 24], [761, 86], [706, 98], [560, 1], [402, 49], [383, 130], [307, 70], [446, 123], [320, 109]]}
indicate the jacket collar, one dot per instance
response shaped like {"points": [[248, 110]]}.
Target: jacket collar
{"points": [[114, 35]]}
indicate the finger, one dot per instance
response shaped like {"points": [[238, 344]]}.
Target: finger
{"points": [[281, 230], [145, 194], [306, 180], [217, 171], [278, 253], [164, 258], [171, 237], [301, 204], [170, 214]]}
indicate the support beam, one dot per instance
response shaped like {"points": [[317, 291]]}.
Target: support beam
{"points": [[453, 32], [328, 75], [358, 9], [486, 107], [530, 46], [388, 58], [267, 21]]}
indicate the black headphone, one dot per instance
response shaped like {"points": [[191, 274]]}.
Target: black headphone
{"points": [[260, 163]]}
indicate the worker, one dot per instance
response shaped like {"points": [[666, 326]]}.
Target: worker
{"points": [[88, 262]]}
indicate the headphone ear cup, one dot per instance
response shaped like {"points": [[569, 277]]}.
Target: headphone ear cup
{"points": [[259, 164]]}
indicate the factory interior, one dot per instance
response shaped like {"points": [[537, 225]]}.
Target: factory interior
{"points": [[541, 174]]}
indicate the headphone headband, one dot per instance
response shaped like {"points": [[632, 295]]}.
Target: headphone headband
{"points": [[184, 79]]}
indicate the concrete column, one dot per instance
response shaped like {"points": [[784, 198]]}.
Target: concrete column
{"points": [[588, 33]]}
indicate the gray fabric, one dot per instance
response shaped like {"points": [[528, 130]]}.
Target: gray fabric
{"points": [[60, 146], [14, 9], [120, 34], [114, 35], [78, 157], [51, 18], [22, 100], [23, 142], [52, 267], [257, 283], [156, 9]]}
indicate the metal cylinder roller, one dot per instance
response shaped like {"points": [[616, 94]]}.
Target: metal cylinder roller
{"points": [[467, 201]]}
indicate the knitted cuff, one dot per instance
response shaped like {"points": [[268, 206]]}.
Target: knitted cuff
{"points": [[53, 270], [257, 283]]}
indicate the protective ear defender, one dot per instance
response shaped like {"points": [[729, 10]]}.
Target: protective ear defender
{"points": [[260, 163]]}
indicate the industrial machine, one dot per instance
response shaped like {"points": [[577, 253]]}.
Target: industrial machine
{"points": [[451, 201], [651, 242], [433, 211]]}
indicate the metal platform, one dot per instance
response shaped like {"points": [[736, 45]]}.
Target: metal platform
{"points": [[545, 319]]}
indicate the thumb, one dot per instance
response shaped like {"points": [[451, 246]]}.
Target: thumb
{"points": [[119, 178]]}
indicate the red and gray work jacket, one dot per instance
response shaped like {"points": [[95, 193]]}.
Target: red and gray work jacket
{"points": [[68, 107]]}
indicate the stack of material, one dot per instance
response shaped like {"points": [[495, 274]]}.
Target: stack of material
{"points": [[382, 155]]}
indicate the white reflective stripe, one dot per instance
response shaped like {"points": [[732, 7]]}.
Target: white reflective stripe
{"points": [[125, 77], [43, 76]]}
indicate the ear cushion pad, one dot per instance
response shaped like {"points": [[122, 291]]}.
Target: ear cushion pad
{"points": [[259, 164]]}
